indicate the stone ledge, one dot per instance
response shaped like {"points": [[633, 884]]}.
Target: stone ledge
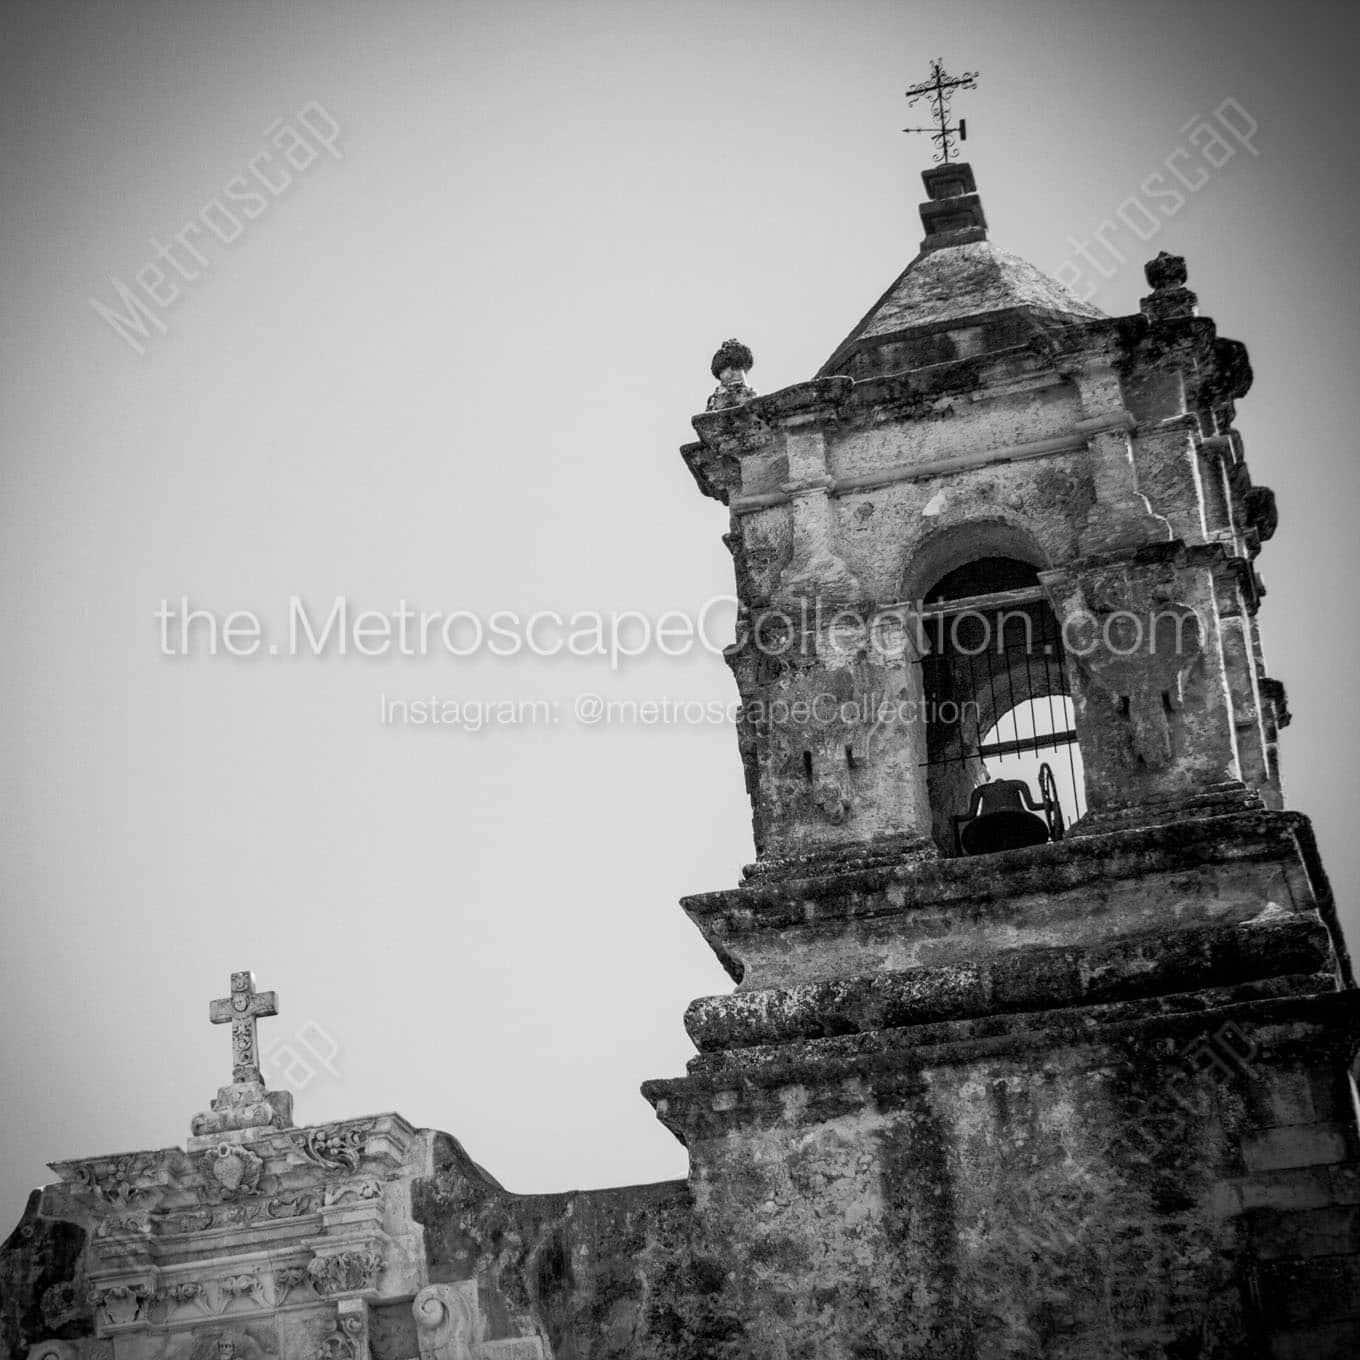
{"points": [[1075, 894], [1019, 980], [1068, 864], [844, 1073]]}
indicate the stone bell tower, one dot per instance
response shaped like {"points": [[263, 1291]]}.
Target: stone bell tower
{"points": [[1090, 1095], [979, 413]]}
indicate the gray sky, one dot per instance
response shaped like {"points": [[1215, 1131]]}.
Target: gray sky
{"points": [[453, 366]]}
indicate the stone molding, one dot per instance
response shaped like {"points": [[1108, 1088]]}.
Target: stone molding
{"points": [[919, 472]]}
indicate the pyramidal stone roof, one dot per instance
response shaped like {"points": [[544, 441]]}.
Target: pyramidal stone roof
{"points": [[966, 281], [959, 276]]}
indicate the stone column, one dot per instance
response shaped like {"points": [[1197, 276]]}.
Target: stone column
{"points": [[815, 571], [1121, 517], [1240, 672], [1216, 454], [837, 731]]}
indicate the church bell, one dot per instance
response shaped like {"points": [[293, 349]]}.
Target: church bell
{"points": [[1003, 815]]}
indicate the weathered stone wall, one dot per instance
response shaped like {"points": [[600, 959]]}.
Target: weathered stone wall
{"points": [[601, 1274], [1036, 1104], [1038, 1193], [40, 1272], [964, 1210]]}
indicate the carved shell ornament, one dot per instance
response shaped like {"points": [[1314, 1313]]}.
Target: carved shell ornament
{"points": [[228, 1171], [236, 1170]]}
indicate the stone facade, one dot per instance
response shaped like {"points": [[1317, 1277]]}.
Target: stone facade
{"points": [[1091, 1097], [258, 1239]]}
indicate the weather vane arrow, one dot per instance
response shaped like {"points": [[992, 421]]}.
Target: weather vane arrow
{"points": [[939, 89]]}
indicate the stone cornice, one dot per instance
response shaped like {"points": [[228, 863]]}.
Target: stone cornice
{"points": [[937, 467], [1051, 978], [96, 1188], [263, 1220], [966, 884], [742, 1088], [748, 427]]}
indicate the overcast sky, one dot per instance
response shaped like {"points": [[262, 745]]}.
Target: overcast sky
{"points": [[449, 361]]}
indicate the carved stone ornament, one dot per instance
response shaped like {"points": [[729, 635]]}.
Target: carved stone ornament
{"points": [[446, 1320], [233, 1171], [236, 1212], [1166, 271], [190, 1221], [346, 1272], [337, 1346], [122, 1225], [244, 1105], [289, 1206], [289, 1280], [54, 1350], [118, 1305], [120, 1181], [349, 1340], [337, 1147], [61, 1303], [184, 1292], [366, 1189], [225, 1343], [242, 1285]]}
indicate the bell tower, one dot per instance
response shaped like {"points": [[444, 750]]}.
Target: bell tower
{"points": [[1043, 1031], [1084, 467]]}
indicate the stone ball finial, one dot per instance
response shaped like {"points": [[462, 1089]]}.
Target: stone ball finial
{"points": [[1166, 271], [1170, 298], [729, 367], [732, 354]]}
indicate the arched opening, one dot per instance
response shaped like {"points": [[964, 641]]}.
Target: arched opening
{"points": [[998, 706]]}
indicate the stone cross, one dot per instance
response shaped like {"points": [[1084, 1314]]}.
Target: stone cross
{"points": [[241, 1010]]}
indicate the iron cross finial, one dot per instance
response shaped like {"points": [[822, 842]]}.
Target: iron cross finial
{"points": [[940, 90], [240, 1010]]}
